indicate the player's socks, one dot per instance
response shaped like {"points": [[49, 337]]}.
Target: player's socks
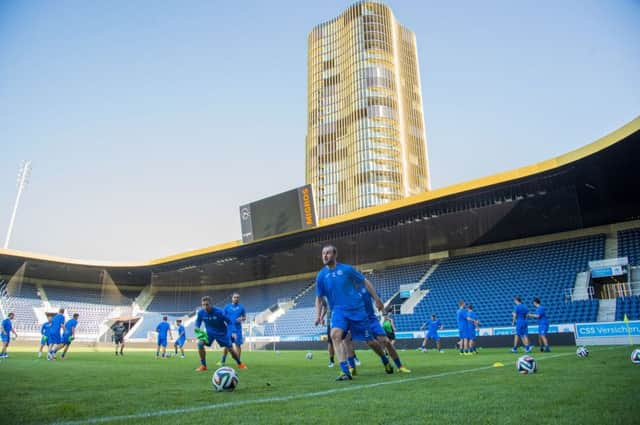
{"points": [[203, 362], [398, 362], [223, 359], [385, 360], [157, 353], [331, 360], [352, 362], [344, 366]]}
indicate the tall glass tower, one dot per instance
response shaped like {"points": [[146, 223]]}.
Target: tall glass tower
{"points": [[365, 142]]}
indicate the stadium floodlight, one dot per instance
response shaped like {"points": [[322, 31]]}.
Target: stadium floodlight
{"points": [[23, 179]]}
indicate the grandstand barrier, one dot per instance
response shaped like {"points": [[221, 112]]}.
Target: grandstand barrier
{"points": [[608, 333]]}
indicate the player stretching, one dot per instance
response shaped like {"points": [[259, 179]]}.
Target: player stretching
{"points": [[44, 332], [337, 282], [433, 326], [69, 333], [472, 328], [118, 336], [380, 334], [6, 329], [236, 313], [55, 340], [543, 325], [215, 324], [461, 316], [182, 337], [520, 321], [163, 329]]}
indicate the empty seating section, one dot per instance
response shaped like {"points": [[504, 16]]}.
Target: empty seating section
{"points": [[299, 321], [629, 306], [388, 280], [258, 298], [491, 280], [94, 305], [180, 301], [629, 245], [21, 300]]}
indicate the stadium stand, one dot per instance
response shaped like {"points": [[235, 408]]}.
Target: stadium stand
{"points": [[490, 281], [22, 302], [629, 245], [629, 306]]}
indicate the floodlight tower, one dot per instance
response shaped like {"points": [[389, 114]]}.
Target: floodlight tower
{"points": [[23, 180]]}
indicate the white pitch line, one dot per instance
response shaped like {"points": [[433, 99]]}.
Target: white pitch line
{"points": [[157, 413]]}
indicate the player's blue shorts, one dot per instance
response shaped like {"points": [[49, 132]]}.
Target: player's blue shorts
{"points": [[471, 333], [54, 338], [222, 339], [522, 329], [434, 336], [543, 328], [180, 342], [65, 339], [375, 327], [6, 338], [462, 333], [44, 341], [239, 339], [355, 322], [162, 342]]}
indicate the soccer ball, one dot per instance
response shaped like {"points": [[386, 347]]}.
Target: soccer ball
{"points": [[526, 365], [309, 355], [635, 356], [582, 352], [224, 379]]}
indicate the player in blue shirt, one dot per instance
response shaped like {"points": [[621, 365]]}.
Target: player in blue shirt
{"points": [[55, 339], [5, 333], [69, 333], [380, 335], [472, 328], [236, 313], [163, 329], [182, 337], [337, 282], [461, 317], [216, 327], [543, 325], [520, 313], [44, 332], [433, 326]]}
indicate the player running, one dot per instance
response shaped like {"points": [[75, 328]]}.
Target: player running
{"points": [[337, 281], [182, 337], [215, 324], [118, 336], [380, 334], [237, 314], [55, 340], [520, 313], [543, 325], [6, 329], [472, 328], [163, 329], [69, 333], [44, 332], [433, 326], [461, 316]]}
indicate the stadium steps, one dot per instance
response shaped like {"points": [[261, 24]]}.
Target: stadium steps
{"points": [[611, 245], [607, 310], [581, 287]]}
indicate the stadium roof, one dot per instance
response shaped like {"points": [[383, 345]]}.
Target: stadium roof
{"points": [[595, 184]]}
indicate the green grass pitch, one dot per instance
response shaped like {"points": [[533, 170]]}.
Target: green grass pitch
{"points": [[286, 388]]}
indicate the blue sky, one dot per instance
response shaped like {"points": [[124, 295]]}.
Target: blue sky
{"points": [[149, 123]]}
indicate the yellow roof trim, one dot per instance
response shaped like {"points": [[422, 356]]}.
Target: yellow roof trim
{"points": [[600, 144]]}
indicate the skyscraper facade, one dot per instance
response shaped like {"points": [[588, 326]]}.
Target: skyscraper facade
{"points": [[365, 142]]}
